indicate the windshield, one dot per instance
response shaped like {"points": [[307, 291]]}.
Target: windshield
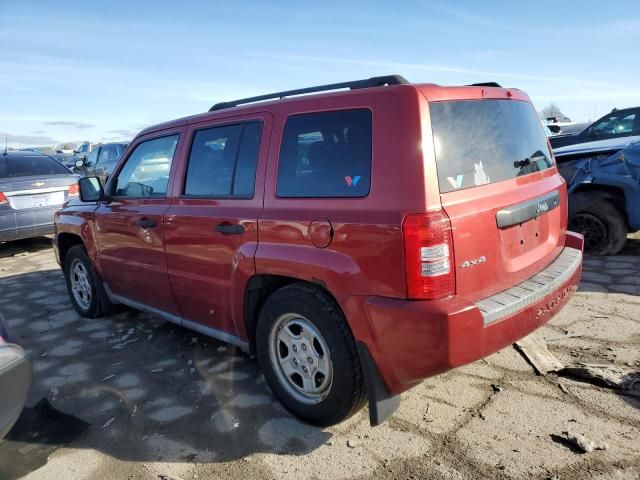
{"points": [[28, 166], [478, 142]]}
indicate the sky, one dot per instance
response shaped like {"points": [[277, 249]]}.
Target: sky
{"points": [[101, 71]]}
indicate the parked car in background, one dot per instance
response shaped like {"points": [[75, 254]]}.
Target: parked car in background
{"points": [[101, 161], [83, 150], [352, 263], [32, 187], [15, 379], [617, 124], [603, 179]]}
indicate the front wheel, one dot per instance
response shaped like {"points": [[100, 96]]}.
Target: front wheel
{"points": [[84, 285], [603, 226], [309, 356]]}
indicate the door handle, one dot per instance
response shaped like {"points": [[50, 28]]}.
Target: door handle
{"points": [[226, 228], [145, 223]]}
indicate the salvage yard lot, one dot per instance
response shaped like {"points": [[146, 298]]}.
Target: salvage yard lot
{"points": [[163, 401]]}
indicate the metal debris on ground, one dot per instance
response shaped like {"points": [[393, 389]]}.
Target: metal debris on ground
{"points": [[582, 443], [495, 387], [536, 353], [108, 377], [564, 388], [109, 422], [607, 375]]}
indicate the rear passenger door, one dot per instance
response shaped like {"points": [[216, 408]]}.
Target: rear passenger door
{"points": [[211, 227]]}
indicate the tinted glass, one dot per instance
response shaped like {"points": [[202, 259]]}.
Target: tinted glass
{"points": [[146, 172], [621, 124], [223, 161], [326, 154], [107, 154], [486, 141], [30, 166], [91, 159], [245, 177]]}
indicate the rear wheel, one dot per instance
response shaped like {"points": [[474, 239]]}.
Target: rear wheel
{"points": [[84, 285], [309, 356], [603, 226]]}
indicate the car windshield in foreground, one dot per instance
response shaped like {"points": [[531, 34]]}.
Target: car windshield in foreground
{"points": [[478, 142], [25, 166]]}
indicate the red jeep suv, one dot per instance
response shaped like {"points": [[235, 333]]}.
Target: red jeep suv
{"points": [[356, 241]]}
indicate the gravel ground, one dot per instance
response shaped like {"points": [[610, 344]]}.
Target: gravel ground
{"points": [[164, 402]]}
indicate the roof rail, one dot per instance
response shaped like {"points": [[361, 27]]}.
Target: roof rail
{"points": [[366, 83], [485, 84]]}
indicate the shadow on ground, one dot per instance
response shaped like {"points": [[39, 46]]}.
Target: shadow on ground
{"points": [[151, 390], [22, 247]]}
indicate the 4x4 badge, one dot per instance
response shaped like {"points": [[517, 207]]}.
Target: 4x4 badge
{"points": [[475, 261]]}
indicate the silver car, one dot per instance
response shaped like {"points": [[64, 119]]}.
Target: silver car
{"points": [[32, 187], [15, 378]]}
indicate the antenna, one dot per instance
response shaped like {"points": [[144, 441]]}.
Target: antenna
{"points": [[6, 139]]}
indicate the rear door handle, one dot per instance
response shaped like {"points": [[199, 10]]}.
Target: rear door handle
{"points": [[145, 223], [226, 228]]}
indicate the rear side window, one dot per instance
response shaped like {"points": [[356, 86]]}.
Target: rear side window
{"points": [[25, 166], [146, 171], [326, 154], [486, 141], [223, 160]]}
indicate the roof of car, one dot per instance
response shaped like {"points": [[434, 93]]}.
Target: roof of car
{"points": [[256, 104], [23, 153]]}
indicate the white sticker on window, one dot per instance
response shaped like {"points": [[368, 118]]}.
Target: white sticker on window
{"points": [[479, 176]]}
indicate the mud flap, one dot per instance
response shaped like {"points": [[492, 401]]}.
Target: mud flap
{"points": [[381, 403]]}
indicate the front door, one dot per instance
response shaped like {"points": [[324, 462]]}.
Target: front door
{"points": [[211, 231], [129, 227]]}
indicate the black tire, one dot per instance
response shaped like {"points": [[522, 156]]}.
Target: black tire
{"points": [[98, 304], [347, 393], [604, 228]]}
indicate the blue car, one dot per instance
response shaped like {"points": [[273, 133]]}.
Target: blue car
{"points": [[32, 187], [603, 180]]}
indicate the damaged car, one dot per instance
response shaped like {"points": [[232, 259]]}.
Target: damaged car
{"points": [[603, 181]]}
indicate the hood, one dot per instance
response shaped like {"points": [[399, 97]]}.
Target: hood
{"points": [[609, 144]]}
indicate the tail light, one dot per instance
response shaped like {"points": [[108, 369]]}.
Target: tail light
{"points": [[428, 255], [3, 199], [74, 190]]}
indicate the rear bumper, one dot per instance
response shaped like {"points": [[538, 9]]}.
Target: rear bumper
{"points": [[15, 378], [411, 340], [26, 224]]}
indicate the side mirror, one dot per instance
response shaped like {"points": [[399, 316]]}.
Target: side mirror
{"points": [[91, 189], [79, 163]]}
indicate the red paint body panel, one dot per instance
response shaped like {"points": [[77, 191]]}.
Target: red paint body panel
{"points": [[411, 341], [353, 247]]}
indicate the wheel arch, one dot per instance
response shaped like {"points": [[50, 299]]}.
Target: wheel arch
{"points": [[588, 194], [259, 288], [66, 241]]}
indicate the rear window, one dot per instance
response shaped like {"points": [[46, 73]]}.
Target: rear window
{"points": [[326, 154], [223, 160], [25, 166], [478, 142]]}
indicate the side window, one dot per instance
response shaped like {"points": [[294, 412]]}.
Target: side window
{"points": [[91, 159], [326, 154], [104, 155], [621, 124], [146, 172], [222, 162]]}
